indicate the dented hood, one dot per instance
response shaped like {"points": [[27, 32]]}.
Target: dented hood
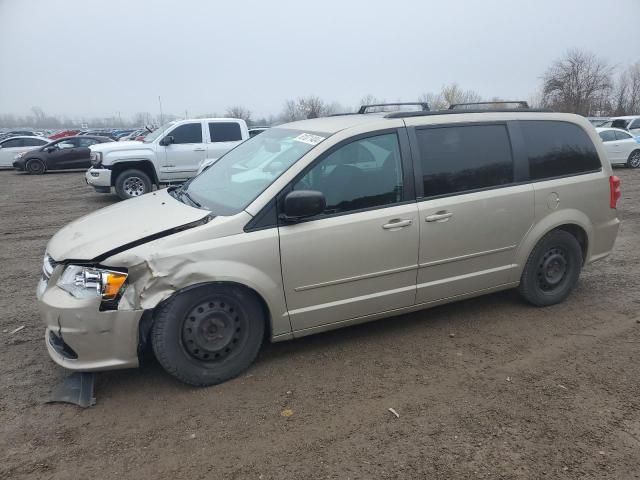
{"points": [[93, 235]]}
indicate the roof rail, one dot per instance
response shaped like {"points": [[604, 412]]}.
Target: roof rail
{"points": [[463, 106], [423, 105], [463, 111]]}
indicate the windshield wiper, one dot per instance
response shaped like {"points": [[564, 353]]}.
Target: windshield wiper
{"points": [[181, 192]]}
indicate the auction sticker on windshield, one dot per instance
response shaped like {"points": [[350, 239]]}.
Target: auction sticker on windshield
{"points": [[309, 138]]}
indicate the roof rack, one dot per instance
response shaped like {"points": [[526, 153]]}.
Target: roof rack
{"points": [[463, 106], [463, 111], [423, 105]]}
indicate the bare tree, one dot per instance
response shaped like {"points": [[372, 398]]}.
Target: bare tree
{"points": [[312, 106], [625, 98], [579, 82], [449, 95], [239, 112]]}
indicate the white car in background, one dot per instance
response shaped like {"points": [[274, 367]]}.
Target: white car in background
{"points": [[13, 146], [622, 148]]}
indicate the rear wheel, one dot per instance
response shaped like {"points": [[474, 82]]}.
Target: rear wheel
{"points": [[35, 166], [552, 270], [132, 183], [209, 334], [634, 159]]}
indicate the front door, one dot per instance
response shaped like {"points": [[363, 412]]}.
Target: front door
{"points": [[64, 155], [182, 157], [472, 215], [359, 257]]}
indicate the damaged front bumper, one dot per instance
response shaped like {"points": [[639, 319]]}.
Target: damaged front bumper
{"points": [[81, 337]]}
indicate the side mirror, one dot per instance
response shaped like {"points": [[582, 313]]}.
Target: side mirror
{"points": [[51, 149], [168, 140], [300, 204]]}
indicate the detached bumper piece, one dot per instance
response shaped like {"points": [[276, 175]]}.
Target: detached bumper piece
{"points": [[76, 388]]}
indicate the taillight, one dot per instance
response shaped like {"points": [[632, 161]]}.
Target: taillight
{"points": [[614, 191]]}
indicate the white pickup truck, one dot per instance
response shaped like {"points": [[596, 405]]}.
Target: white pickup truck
{"points": [[171, 154]]}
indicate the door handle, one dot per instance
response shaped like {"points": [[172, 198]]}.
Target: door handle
{"points": [[439, 217], [397, 223], [198, 149]]}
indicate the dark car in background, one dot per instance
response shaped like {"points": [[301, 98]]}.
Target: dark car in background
{"points": [[64, 154]]}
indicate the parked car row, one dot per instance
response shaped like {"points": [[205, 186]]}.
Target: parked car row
{"points": [[630, 123], [37, 155]]}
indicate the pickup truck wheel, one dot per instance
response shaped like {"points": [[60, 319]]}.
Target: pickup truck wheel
{"points": [[35, 167], [132, 183], [552, 270], [209, 334]]}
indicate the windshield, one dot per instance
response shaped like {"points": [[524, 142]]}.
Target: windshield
{"points": [[236, 179], [157, 132]]}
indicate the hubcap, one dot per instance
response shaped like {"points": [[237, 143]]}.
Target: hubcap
{"points": [[212, 331], [552, 269], [635, 160], [133, 186], [35, 166]]}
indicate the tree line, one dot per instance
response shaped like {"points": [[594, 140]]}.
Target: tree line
{"points": [[577, 82]]}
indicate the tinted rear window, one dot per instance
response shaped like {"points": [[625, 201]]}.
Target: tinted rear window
{"points": [[224, 132], [556, 149], [458, 159]]}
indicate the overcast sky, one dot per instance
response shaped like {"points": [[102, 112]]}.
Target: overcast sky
{"points": [[95, 58]]}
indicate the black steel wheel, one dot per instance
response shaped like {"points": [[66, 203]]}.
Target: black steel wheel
{"points": [[35, 166], [208, 334], [552, 270]]}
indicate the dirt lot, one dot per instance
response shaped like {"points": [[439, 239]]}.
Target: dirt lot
{"points": [[486, 388]]}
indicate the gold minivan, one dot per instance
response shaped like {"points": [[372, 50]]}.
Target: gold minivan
{"points": [[328, 222]]}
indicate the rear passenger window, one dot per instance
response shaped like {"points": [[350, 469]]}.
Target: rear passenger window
{"points": [[459, 159], [556, 149], [607, 136], [187, 133], [622, 135], [34, 142], [225, 132]]}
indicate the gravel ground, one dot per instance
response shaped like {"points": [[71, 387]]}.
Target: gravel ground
{"points": [[485, 388]]}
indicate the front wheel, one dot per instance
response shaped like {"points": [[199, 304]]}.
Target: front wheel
{"points": [[208, 334], [35, 167], [634, 159], [552, 270], [132, 183]]}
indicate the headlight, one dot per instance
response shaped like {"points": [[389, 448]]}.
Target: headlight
{"points": [[88, 282], [19, 156], [96, 158]]}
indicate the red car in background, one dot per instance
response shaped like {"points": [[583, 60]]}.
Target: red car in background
{"points": [[64, 133]]}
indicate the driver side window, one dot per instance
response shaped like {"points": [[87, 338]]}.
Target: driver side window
{"points": [[363, 174], [187, 133]]}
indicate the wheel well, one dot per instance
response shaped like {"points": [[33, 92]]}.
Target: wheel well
{"points": [[143, 165], [146, 322], [580, 235]]}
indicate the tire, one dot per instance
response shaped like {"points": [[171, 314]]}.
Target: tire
{"points": [[209, 334], [634, 159], [552, 270], [132, 183], [35, 166]]}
